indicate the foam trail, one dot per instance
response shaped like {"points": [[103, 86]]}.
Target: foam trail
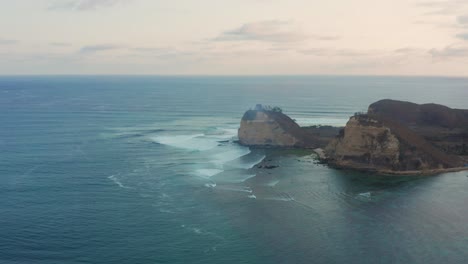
{"points": [[242, 189], [191, 142], [273, 183], [365, 194], [116, 181], [252, 164], [208, 172], [210, 185], [282, 197], [237, 177], [230, 155]]}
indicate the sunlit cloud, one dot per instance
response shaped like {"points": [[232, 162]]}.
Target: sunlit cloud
{"points": [[450, 52], [273, 31], [84, 5], [270, 31], [447, 7], [320, 52]]}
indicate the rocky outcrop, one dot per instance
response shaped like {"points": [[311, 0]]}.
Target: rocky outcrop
{"points": [[402, 137], [269, 128], [366, 144], [441, 126], [392, 137]]}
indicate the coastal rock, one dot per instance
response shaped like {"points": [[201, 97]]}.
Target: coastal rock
{"points": [[388, 139], [365, 143], [262, 127], [392, 137]]}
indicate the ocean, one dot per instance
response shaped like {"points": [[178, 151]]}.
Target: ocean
{"points": [[146, 169]]}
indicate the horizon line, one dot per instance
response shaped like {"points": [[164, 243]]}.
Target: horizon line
{"points": [[232, 75]]}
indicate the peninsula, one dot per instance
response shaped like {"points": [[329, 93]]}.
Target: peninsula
{"points": [[392, 137]]}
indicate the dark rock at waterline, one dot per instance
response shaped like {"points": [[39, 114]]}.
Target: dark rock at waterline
{"points": [[268, 167]]}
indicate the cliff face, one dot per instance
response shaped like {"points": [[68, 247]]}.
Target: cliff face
{"points": [[392, 137], [441, 126], [401, 136], [365, 144], [268, 128]]}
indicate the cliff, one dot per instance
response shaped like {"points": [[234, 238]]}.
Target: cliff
{"points": [[268, 128], [364, 143], [392, 137], [402, 137]]}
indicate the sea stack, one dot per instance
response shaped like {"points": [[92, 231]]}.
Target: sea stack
{"points": [[268, 126]]}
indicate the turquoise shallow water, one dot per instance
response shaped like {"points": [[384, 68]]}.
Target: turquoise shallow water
{"points": [[145, 170]]}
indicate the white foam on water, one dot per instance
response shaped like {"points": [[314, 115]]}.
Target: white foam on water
{"points": [[235, 189], [196, 230], [273, 183], [365, 194], [248, 165], [233, 153], [222, 134], [116, 181], [252, 196], [235, 177], [208, 172], [248, 177], [210, 185], [191, 142], [214, 152], [285, 197]]}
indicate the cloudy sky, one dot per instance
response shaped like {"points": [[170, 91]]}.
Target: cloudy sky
{"points": [[234, 37]]}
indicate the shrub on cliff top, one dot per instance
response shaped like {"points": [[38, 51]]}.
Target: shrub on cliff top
{"points": [[275, 109]]}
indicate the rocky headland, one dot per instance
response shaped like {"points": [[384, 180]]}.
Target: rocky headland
{"points": [[393, 137], [269, 127]]}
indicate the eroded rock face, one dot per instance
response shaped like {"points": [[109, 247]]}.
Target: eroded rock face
{"points": [[268, 128], [392, 137], [365, 143]]}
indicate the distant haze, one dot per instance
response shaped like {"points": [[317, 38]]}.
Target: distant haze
{"points": [[234, 37]]}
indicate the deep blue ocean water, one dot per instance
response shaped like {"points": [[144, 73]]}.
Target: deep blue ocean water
{"points": [[145, 170]]}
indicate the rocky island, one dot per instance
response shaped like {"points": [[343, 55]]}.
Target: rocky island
{"points": [[393, 137]]}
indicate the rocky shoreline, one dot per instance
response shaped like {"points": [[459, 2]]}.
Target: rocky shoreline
{"points": [[392, 138]]}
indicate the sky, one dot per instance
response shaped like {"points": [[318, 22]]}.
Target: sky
{"points": [[234, 37]]}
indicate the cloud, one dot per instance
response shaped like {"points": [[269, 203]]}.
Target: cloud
{"points": [[7, 41], [449, 52], [84, 5], [159, 53], [447, 7], [463, 20], [273, 31], [60, 44], [463, 36], [96, 48], [338, 52]]}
